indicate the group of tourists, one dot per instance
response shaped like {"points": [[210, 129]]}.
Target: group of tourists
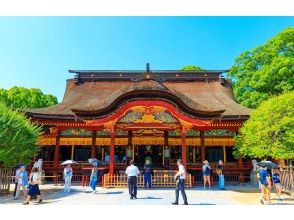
{"points": [[267, 180], [207, 172], [29, 185]]}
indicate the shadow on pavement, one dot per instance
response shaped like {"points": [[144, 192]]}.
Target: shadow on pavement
{"points": [[150, 197], [118, 192]]}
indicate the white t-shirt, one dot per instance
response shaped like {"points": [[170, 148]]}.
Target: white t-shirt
{"points": [[35, 177], [182, 172], [132, 171]]}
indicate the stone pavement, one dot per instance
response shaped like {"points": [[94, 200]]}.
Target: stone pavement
{"points": [[233, 195]]}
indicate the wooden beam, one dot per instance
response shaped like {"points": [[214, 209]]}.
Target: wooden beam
{"points": [[184, 147], [93, 151], [111, 153], [202, 147], [225, 154], [56, 155]]}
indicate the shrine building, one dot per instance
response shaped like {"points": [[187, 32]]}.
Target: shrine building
{"points": [[161, 115]]}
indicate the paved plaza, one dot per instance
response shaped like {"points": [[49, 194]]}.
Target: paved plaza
{"points": [[233, 195]]}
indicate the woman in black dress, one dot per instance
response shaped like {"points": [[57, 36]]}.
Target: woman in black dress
{"points": [[34, 187]]}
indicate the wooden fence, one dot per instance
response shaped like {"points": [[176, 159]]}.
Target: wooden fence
{"points": [[158, 180], [287, 179], [5, 180]]}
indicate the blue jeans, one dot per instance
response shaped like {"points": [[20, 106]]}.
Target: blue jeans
{"points": [[147, 180], [93, 183], [181, 187]]}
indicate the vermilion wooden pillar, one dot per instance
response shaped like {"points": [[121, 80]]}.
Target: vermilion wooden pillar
{"points": [[93, 151], [202, 147], [184, 151], [56, 155], [111, 153]]}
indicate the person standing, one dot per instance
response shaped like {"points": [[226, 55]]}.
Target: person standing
{"points": [[206, 174], [34, 187], [147, 175], [17, 172], [221, 178], [67, 173], [22, 182], [106, 158], [180, 183], [132, 171], [94, 178], [277, 184], [264, 179]]}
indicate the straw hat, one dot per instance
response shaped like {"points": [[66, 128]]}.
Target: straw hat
{"points": [[205, 162]]}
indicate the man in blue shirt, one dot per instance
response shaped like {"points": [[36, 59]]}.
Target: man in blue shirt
{"points": [[264, 179]]}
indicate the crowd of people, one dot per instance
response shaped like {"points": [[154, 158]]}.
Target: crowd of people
{"points": [[30, 184]]}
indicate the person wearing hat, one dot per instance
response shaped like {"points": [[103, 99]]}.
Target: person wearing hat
{"points": [[180, 183], [206, 174], [22, 181]]}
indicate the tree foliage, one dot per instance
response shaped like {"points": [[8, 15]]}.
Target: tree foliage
{"points": [[265, 71], [191, 67], [23, 98], [18, 137], [269, 132]]}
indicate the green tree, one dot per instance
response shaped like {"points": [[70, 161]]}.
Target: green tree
{"points": [[269, 132], [191, 67], [265, 71], [23, 98], [18, 137]]}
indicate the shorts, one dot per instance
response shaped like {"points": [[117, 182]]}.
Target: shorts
{"points": [[265, 189], [206, 174], [277, 184]]}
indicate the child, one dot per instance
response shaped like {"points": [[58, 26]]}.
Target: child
{"points": [[67, 172]]}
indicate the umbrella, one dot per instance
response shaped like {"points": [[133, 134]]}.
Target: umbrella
{"points": [[94, 162], [68, 162], [268, 164]]}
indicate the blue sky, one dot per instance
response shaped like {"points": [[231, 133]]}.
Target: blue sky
{"points": [[38, 51]]}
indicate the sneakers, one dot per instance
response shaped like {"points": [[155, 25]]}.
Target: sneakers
{"points": [[175, 203], [26, 203]]}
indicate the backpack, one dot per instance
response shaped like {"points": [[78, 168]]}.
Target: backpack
{"points": [[207, 170]]}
